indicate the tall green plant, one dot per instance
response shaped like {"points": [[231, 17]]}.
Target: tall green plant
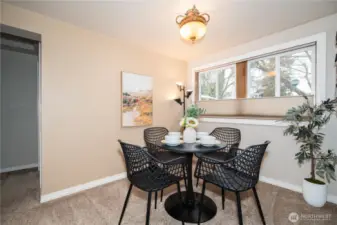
{"points": [[194, 111], [306, 122]]}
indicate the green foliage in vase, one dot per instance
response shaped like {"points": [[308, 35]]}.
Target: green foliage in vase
{"points": [[194, 111], [305, 124]]}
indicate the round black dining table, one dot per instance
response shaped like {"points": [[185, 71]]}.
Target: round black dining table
{"points": [[188, 209]]}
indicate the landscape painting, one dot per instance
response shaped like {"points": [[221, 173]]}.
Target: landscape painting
{"points": [[136, 100]]}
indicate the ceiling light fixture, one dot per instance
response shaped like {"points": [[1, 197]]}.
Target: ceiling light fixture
{"points": [[193, 24]]}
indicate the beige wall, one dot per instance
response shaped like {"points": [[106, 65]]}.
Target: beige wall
{"points": [[80, 89], [279, 163], [251, 107]]}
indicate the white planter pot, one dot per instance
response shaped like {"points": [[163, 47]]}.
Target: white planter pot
{"points": [[190, 135], [314, 194]]}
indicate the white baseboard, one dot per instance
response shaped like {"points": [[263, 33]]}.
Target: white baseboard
{"points": [[292, 187], [96, 183], [332, 199], [81, 187], [15, 168]]}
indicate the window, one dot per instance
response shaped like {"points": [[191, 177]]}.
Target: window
{"points": [[296, 73], [287, 74], [273, 78], [217, 84], [262, 78]]}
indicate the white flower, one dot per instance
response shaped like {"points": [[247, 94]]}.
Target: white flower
{"points": [[192, 122], [182, 122]]}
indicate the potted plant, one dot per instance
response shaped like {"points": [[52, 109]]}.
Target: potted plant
{"points": [[305, 124], [190, 122]]}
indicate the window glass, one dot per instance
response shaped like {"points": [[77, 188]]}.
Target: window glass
{"points": [[207, 81], [217, 84], [262, 78], [296, 73]]}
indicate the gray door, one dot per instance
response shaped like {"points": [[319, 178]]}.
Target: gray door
{"points": [[19, 103]]}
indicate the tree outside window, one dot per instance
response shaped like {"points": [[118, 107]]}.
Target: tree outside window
{"points": [[287, 74], [217, 84]]}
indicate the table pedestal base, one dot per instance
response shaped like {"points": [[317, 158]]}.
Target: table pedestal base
{"points": [[183, 212]]}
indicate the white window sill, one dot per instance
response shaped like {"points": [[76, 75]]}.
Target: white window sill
{"points": [[247, 121]]}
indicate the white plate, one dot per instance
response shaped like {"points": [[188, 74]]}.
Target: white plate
{"points": [[217, 142], [172, 144]]}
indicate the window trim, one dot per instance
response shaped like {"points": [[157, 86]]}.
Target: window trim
{"points": [[277, 57], [219, 68], [319, 39]]}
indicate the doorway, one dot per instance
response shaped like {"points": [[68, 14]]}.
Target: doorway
{"points": [[20, 136]]}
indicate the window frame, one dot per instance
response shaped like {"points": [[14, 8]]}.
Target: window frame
{"points": [[321, 58], [278, 71], [233, 65]]}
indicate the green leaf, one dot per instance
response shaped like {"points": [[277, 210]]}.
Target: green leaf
{"points": [[333, 176], [328, 179], [320, 174], [331, 167]]}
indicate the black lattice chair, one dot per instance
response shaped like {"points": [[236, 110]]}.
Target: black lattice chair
{"points": [[148, 173], [237, 174], [151, 136], [232, 138]]}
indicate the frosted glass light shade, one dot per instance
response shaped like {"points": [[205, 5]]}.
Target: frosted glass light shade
{"points": [[193, 30]]}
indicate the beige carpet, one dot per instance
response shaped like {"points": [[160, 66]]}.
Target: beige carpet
{"points": [[103, 205]]}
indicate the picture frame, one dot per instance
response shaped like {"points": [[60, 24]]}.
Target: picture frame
{"points": [[136, 100]]}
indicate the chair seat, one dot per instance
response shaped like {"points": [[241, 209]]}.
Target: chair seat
{"points": [[153, 179], [229, 179], [166, 156]]}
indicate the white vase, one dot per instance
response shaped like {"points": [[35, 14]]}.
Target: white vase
{"points": [[314, 194], [190, 135]]}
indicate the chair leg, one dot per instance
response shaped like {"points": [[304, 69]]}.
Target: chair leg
{"points": [[223, 198], [185, 178], [201, 200], [179, 191], [181, 198], [198, 172], [161, 195], [155, 199], [125, 204], [148, 211], [259, 206], [238, 203]]}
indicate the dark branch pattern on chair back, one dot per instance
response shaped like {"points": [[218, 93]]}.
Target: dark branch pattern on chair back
{"points": [[147, 172], [135, 158], [152, 135], [228, 135], [239, 173]]}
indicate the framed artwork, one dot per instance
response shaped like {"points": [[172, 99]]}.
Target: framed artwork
{"points": [[137, 100]]}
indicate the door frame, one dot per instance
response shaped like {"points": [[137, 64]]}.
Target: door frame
{"points": [[34, 37]]}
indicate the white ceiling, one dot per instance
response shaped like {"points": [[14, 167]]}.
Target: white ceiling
{"points": [[151, 23]]}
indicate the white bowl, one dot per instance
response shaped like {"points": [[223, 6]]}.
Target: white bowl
{"points": [[207, 140], [174, 134], [216, 142], [172, 143], [201, 134], [172, 139]]}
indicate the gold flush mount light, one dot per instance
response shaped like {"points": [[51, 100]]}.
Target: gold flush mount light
{"points": [[193, 24]]}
